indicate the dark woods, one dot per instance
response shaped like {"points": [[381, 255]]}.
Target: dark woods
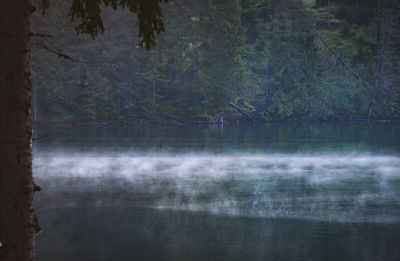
{"points": [[270, 59]]}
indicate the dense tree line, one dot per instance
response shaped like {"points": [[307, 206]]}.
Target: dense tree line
{"points": [[259, 59]]}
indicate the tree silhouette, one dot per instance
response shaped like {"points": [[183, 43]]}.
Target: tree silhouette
{"points": [[18, 223]]}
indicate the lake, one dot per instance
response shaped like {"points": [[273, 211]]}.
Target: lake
{"points": [[278, 191]]}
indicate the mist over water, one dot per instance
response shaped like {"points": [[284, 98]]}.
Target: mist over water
{"points": [[184, 194], [346, 188]]}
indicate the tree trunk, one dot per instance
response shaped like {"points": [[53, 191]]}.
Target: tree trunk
{"points": [[154, 95], [329, 14], [379, 54], [380, 38], [18, 222]]}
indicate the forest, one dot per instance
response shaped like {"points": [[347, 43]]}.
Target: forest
{"points": [[107, 149], [240, 60]]}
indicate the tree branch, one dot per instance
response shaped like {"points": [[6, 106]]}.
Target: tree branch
{"points": [[59, 53], [352, 72]]}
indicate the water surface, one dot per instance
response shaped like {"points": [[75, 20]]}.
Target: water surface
{"points": [[316, 191]]}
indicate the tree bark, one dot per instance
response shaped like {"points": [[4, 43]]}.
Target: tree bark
{"points": [[18, 223]]}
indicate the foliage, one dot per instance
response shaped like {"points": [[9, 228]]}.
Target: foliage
{"points": [[266, 56]]}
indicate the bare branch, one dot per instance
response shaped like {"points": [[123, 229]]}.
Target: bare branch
{"points": [[41, 35], [59, 53]]}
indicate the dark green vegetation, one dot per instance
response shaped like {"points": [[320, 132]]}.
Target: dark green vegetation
{"points": [[274, 60]]}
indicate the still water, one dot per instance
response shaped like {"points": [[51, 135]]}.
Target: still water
{"points": [[315, 191]]}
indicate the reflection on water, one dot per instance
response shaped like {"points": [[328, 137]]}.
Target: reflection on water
{"points": [[220, 195], [150, 234]]}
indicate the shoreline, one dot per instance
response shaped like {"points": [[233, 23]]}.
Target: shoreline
{"points": [[149, 123]]}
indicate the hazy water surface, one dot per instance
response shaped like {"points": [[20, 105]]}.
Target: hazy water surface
{"points": [[326, 191]]}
